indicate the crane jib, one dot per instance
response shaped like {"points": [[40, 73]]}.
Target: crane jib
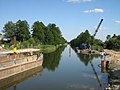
{"points": [[97, 28]]}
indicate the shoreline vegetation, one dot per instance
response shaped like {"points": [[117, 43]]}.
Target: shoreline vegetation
{"points": [[49, 48], [111, 46], [41, 48], [46, 38], [49, 38], [46, 48]]}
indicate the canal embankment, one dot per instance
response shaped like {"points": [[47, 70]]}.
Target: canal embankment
{"points": [[114, 59], [114, 66]]}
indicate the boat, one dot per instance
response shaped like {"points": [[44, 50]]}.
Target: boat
{"points": [[17, 63], [15, 80]]}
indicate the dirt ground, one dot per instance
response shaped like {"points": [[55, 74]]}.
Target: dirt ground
{"points": [[114, 58]]}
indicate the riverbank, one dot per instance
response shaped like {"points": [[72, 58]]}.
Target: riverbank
{"points": [[46, 48], [49, 48], [114, 72], [114, 59], [41, 48], [87, 51]]}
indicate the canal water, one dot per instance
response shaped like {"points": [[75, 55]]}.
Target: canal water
{"points": [[64, 69]]}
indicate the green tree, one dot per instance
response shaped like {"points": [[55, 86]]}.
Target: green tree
{"points": [[113, 43], [63, 41], [9, 30], [114, 36], [98, 42], [56, 33], [118, 37], [84, 37], [108, 37], [49, 38], [38, 31], [22, 30]]}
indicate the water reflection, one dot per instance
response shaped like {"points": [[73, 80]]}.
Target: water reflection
{"points": [[75, 72], [69, 51], [102, 79], [14, 80], [108, 79], [51, 60], [86, 58]]}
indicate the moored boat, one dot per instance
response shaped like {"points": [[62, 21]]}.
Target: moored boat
{"points": [[17, 65]]}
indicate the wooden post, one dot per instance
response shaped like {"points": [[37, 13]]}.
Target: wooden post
{"points": [[103, 64], [14, 45], [14, 50]]}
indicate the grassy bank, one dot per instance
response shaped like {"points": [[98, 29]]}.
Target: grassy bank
{"points": [[46, 48], [43, 48]]}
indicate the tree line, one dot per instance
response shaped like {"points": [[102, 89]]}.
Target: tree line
{"points": [[113, 42], [85, 38], [36, 35]]}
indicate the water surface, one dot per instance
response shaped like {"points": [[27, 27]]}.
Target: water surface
{"points": [[65, 70]]}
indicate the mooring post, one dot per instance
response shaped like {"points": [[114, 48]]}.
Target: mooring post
{"points": [[14, 45], [14, 50], [104, 65]]}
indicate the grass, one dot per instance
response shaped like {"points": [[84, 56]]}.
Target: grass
{"points": [[43, 48], [46, 48]]}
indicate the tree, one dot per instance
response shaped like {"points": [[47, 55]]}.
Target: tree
{"points": [[41, 34], [22, 30], [84, 37], [114, 36], [63, 41], [118, 37], [9, 30], [84, 40], [49, 39], [38, 31], [57, 36], [108, 37], [113, 43]]}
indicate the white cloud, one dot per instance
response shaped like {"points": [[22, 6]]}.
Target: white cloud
{"points": [[117, 21], [96, 10], [78, 1]]}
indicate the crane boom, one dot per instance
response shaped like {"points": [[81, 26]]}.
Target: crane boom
{"points": [[90, 51], [90, 48], [98, 28]]}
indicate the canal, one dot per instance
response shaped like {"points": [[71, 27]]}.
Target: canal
{"points": [[63, 69]]}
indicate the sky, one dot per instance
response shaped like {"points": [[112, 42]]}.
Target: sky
{"points": [[71, 16]]}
